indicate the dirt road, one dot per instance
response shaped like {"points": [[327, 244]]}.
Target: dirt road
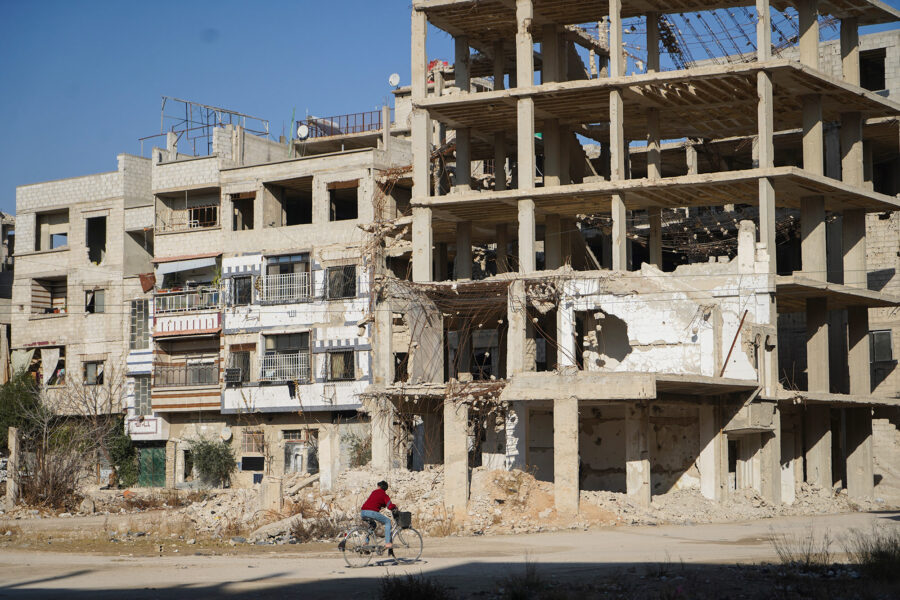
{"points": [[468, 565]]}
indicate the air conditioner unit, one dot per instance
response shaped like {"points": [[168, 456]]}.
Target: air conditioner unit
{"points": [[233, 375]]}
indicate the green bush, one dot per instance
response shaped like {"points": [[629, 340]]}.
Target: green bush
{"points": [[214, 460], [123, 455], [16, 396], [360, 448]]}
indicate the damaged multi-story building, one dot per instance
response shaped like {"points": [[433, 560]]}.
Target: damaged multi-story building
{"points": [[558, 319]]}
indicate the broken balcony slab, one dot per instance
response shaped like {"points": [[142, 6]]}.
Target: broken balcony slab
{"points": [[793, 291], [715, 101], [838, 400]]}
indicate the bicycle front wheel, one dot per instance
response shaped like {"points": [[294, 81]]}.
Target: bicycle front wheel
{"points": [[357, 548], [407, 545]]}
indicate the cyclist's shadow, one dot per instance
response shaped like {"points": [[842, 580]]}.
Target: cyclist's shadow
{"points": [[391, 561]]}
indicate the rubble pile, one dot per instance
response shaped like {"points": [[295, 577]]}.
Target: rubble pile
{"points": [[225, 512]]}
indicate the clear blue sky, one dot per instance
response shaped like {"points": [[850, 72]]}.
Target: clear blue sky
{"points": [[81, 80]]}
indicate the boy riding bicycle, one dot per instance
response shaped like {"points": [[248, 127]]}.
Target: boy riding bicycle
{"points": [[371, 509]]}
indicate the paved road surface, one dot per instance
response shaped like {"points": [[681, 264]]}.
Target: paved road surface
{"points": [[468, 564]]}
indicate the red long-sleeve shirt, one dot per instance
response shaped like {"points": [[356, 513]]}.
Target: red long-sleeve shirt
{"points": [[378, 500]]}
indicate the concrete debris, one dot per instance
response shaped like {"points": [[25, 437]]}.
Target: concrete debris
{"points": [[225, 510]]}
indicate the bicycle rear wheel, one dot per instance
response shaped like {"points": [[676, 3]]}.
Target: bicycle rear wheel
{"points": [[407, 545], [357, 548]]}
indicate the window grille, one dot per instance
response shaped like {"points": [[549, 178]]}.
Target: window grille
{"points": [[341, 282]]}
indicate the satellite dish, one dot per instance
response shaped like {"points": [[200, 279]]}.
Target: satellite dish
{"points": [[302, 131], [394, 79], [225, 434]]}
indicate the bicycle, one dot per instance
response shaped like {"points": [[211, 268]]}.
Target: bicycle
{"points": [[360, 543]]}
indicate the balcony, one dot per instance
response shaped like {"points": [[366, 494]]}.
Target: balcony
{"points": [[290, 287], [285, 367], [186, 374], [349, 124], [195, 217], [192, 300]]}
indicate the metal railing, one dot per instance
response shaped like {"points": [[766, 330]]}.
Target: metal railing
{"points": [[194, 217], [169, 375], [287, 287], [178, 302], [285, 367], [320, 127]]}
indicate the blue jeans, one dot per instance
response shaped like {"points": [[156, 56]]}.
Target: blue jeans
{"points": [[371, 514]]}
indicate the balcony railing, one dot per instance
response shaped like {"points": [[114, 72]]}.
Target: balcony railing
{"points": [[195, 217], [169, 375], [285, 288], [285, 367], [179, 302], [320, 127]]}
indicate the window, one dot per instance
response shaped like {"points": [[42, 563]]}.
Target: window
{"points": [[95, 301], [340, 366], [48, 296], [252, 442], [140, 325], [341, 282], [95, 236], [295, 435], [238, 367], [142, 395], [343, 199], [51, 230], [242, 219], [871, 69], [288, 342], [880, 349], [93, 373], [241, 290]]}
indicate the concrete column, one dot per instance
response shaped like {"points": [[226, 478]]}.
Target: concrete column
{"points": [[569, 227], [502, 235], [690, 158], [654, 215], [271, 494], [422, 244], [434, 440], [770, 462], [419, 55], [439, 131], [456, 458], [619, 233], [637, 454], [552, 168], [652, 42], [441, 260], [461, 63], [517, 436], [808, 14], [817, 425], [858, 359], [382, 417], [713, 469], [464, 349], [386, 128], [527, 259], [426, 361], [329, 455], [552, 242], [565, 155], [524, 43], [550, 53], [565, 455], [499, 66], [850, 50], [516, 336], [171, 449], [383, 357], [766, 127], [463, 160], [654, 157], [462, 265], [13, 490], [565, 335], [499, 161], [791, 459], [618, 145], [860, 460]]}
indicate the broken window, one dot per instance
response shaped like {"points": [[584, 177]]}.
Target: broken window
{"points": [[340, 366], [341, 282], [343, 200], [95, 236], [139, 338], [48, 296], [241, 290], [871, 69], [401, 367], [142, 395], [95, 301], [242, 217], [880, 346], [51, 230], [253, 442], [139, 251], [288, 203], [93, 373], [184, 211]]}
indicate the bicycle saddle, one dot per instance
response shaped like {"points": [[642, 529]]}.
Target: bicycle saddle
{"points": [[370, 522]]}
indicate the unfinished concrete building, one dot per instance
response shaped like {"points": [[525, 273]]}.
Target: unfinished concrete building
{"points": [[605, 365]]}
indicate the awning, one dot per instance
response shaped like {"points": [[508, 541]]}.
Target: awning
{"points": [[179, 266]]}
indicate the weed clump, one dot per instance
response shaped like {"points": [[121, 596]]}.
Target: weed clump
{"points": [[412, 586], [877, 552], [806, 552]]}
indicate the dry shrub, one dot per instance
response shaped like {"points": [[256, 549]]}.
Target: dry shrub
{"points": [[412, 586], [177, 525], [528, 585], [805, 551], [442, 525], [10, 532], [317, 529], [877, 552]]}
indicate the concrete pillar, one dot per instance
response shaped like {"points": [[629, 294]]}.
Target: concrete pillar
{"points": [[271, 494], [441, 260], [654, 215], [516, 336], [422, 243], [770, 462], [329, 455], [463, 160], [461, 63], [565, 155], [654, 156], [791, 459], [550, 54], [383, 356], [817, 432], [619, 233], [433, 423], [171, 450], [552, 148], [766, 127], [618, 145], [499, 65], [565, 334], [552, 242], [439, 130], [502, 235], [808, 16], [462, 265], [386, 128], [382, 421], [713, 460], [565, 455], [860, 460], [527, 257], [525, 106], [850, 50], [652, 42], [690, 158], [426, 361], [456, 458], [517, 436], [637, 454], [499, 161], [13, 490]]}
